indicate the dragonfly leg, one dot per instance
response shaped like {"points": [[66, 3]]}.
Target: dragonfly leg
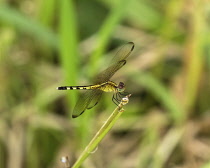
{"points": [[114, 99], [118, 96]]}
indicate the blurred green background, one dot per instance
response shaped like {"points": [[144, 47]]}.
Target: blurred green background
{"points": [[50, 43]]}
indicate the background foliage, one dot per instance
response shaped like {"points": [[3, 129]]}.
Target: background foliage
{"points": [[45, 44]]}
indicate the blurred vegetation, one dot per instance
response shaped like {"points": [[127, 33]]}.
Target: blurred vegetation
{"points": [[50, 43]]}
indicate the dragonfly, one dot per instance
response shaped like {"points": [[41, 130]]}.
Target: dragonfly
{"points": [[102, 83]]}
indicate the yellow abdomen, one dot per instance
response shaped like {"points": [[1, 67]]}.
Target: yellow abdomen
{"points": [[106, 87]]}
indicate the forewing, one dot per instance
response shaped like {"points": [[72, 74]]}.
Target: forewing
{"points": [[105, 75], [84, 102], [118, 61], [123, 52]]}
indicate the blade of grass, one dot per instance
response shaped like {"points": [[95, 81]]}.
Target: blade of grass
{"points": [[168, 29], [167, 146], [68, 43], [141, 13], [47, 11], [144, 15], [194, 55]]}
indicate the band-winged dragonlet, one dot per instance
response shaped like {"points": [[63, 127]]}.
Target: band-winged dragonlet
{"points": [[92, 95]]}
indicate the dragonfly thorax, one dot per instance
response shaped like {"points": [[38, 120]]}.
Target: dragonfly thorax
{"points": [[121, 87]]}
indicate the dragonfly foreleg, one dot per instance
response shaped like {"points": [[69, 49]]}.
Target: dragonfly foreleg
{"points": [[118, 96], [114, 99]]}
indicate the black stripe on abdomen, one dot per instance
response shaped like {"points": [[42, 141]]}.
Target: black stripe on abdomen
{"points": [[72, 88], [62, 88]]}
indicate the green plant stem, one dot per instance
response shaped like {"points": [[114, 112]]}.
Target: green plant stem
{"points": [[101, 133]]}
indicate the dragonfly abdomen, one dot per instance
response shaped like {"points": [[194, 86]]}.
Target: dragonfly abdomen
{"points": [[76, 87], [106, 87]]}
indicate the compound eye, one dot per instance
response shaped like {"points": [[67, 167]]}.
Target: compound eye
{"points": [[121, 85]]}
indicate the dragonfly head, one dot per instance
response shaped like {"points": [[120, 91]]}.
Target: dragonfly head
{"points": [[121, 87]]}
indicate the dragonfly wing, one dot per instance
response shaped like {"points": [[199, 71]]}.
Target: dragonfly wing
{"points": [[123, 52], [118, 61], [82, 103], [95, 99], [105, 75], [85, 102]]}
